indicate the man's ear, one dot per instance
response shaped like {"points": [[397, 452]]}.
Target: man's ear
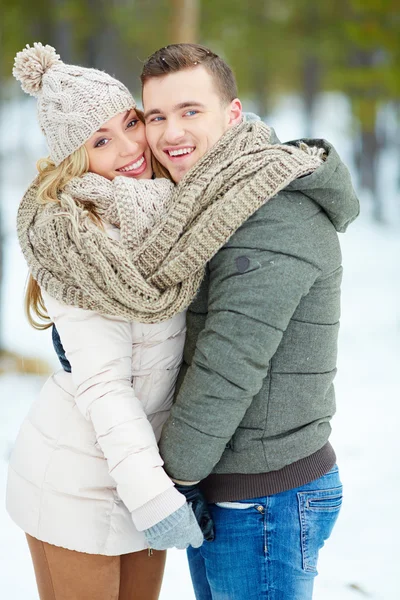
{"points": [[235, 112]]}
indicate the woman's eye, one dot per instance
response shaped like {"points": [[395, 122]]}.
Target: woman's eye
{"points": [[101, 143], [132, 123]]}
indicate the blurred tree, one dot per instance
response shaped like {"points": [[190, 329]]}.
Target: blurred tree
{"points": [[368, 75], [142, 26], [23, 22], [303, 47], [314, 46], [185, 21], [63, 31], [250, 38], [275, 47], [2, 238]]}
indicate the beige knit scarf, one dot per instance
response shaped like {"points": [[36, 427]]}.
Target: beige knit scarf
{"points": [[149, 280]]}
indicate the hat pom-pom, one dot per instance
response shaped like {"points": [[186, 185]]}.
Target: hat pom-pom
{"points": [[31, 64]]}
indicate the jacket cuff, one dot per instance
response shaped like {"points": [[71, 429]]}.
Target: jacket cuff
{"points": [[158, 509]]}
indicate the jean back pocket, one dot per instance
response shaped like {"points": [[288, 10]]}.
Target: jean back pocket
{"points": [[319, 510]]}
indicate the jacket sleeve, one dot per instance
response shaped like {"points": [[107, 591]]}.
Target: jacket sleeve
{"points": [[253, 293], [99, 350]]}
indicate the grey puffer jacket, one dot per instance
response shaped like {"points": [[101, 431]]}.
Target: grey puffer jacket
{"points": [[256, 389]]}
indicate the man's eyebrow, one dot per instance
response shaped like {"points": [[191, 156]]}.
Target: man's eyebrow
{"points": [[153, 111], [124, 117], [180, 106], [187, 104]]}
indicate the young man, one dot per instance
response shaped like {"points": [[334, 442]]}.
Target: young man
{"points": [[252, 416]]}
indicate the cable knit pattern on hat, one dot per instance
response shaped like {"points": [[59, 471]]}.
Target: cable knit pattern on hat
{"points": [[73, 102], [149, 280]]}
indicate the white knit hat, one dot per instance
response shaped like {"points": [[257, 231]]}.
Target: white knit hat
{"points": [[73, 102]]}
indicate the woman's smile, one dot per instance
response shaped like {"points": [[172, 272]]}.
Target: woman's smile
{"points": [[135, 167]]}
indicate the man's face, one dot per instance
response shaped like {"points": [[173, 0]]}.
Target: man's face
{"points": [[185, 116]]}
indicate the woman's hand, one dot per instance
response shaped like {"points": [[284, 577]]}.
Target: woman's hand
{"points": [[179, 530]]}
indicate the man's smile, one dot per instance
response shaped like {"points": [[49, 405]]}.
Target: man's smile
{"points": [[179, 153]]}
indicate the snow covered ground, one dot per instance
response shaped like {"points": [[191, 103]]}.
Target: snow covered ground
{"points": [[362, 556]]}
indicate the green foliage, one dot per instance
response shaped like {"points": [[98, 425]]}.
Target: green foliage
{"points": [[143, 25], [273, 45]]}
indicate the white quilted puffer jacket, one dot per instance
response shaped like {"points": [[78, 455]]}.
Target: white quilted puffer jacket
{"points": [[85, 472]]}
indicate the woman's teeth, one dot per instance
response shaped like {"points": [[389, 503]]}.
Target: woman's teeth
{"points": [[180, 151], [133, 167]]}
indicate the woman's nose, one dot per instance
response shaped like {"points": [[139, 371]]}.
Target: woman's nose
{"points": [[128, 147]]}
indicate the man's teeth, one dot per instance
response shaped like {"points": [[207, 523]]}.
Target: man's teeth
{"points": [[180, 152], [133, 167]]}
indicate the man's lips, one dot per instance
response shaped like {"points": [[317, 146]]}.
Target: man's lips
{"points": [[135, 167], [178, 153]]}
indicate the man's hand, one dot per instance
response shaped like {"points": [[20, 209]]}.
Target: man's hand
{"points": [[199, 506]]}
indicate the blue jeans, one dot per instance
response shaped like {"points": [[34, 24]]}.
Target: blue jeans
{"points": [[267, 548]]}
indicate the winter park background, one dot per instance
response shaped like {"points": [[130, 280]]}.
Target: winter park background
{"points": [[361, 118]]}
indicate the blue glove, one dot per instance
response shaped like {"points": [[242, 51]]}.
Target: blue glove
{"points": [[200, 508], [179, 530]]}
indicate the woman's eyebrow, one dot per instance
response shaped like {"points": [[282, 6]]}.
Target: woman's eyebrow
{"points": [[125, 116]]}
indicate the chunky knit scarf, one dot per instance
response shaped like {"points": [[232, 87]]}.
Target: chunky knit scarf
{"points": [[155, 269]]}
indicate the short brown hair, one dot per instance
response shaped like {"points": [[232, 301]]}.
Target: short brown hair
{"points": [[178, 57]]}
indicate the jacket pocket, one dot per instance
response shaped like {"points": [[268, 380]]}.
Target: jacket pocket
{"points": [[318, 511]]}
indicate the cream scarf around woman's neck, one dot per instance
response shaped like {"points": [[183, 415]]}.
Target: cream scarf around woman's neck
{"points": [[168, 233]]}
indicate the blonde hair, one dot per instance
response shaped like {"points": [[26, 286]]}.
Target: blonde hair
{"points": [[51, 180]]}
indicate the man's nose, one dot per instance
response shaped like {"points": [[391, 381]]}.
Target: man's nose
{"points": [[173, 133]]}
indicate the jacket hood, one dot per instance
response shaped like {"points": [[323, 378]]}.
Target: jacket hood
{"points": [[329, 186]]}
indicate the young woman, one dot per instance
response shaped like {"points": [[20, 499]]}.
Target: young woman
{"points": [[86, 482]]}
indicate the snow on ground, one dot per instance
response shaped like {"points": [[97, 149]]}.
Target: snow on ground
{"points": [[363, 551], [362, 556]]}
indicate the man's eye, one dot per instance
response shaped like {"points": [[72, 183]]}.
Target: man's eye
{"points": [[101, 143], [190, 113], [156, 119], [132, 123]]}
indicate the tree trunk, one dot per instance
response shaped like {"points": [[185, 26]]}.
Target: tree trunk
{"points": [[2, 237], [311, 86], [370, 150], [260, 84], [370, 144], [396, 144], [62, 33], [311, 68], [185, 21], [95, 8]]}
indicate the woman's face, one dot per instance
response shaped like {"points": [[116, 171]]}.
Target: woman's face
{"points": [[120, 148]]}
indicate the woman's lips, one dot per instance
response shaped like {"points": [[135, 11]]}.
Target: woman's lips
{"points": [[134, 168]]}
